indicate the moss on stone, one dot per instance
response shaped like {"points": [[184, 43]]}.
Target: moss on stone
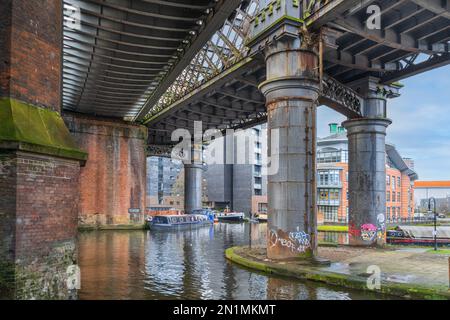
{"points": [[7, 280], [29, 128]]}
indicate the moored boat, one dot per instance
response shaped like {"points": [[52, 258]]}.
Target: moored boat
{"points": [[412, 235], [179, 221], [230, 216], [262, 217]]}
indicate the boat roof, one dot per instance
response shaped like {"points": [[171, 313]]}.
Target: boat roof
{"points": [[425, 232]]}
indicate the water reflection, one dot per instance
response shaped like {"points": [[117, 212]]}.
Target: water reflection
{"points": [[187, 264], [333, 237]]}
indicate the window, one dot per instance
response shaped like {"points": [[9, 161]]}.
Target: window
{"points": [[388, 196], [332, 156], [388, 213], [328, 197], [393, 182], [262, 207], [388, 180], [399, 182], [258, 192], [329, 178], [393, 197], [330, 214], [399, 198]]}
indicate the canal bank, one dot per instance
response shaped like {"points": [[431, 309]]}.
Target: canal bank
{"points": [[404, 273]]}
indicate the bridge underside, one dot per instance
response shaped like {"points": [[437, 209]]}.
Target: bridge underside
{"points": [[121, 56], [413, 39]]}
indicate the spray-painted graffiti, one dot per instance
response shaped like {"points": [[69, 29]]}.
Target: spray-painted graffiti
{"points": [[353, 231], [368, 232], [381, 227], [297, 241]]}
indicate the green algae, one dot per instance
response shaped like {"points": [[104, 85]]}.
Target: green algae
{"points": [[30, 128]]}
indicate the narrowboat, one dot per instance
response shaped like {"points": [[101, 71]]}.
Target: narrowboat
{"points": [[230, 216], [262, 217], [412, 235], [180, 221]]}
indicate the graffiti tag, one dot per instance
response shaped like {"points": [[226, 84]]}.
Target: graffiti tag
{"points": [[297, 241]]}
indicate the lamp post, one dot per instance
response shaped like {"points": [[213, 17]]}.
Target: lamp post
{"points": [[435, 219]]}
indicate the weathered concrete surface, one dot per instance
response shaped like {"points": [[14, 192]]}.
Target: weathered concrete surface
{"points": [[367, 181], [405, 273], [193, 176], [113, 182], [291, 91]]}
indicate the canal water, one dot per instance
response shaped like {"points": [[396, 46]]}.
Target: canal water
{"points": [[185, 265]]}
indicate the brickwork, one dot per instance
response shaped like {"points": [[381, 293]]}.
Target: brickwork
{"points": [[30, 51], [39, 187], [398, 204], [407, 197], [114, 178], [38, 217]]}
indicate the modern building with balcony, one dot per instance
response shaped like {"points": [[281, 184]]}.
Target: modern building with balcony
{"points": [[163, 175], [237, 181], [332, 180]]}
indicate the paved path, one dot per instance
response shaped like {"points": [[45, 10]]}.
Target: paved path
{"points": [[408, 265], [406, 272]]}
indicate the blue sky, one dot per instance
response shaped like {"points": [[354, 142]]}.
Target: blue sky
{"points": [[421, 123]]}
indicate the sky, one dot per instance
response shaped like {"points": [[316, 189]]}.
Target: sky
{"points": [[421, 123]]}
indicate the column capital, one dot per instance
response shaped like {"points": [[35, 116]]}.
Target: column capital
{"points": [[278, 20], [371, 88], [366, 125]]}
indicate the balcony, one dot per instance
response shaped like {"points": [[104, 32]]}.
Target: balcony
{"points": [[335, 203], [331, 184]]}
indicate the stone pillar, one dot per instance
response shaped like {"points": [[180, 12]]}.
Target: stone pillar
{"points": [[291, 91], [39, 161], [193, 176], [367, 165], [113, 182]]}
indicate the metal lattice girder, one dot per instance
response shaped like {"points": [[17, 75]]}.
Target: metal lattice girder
{"points": [[223, 50]]}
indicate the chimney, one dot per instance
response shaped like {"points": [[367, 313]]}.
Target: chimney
{"points": [[333, 128]]}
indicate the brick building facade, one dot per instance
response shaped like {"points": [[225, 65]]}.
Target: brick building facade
{"points": [[332, 180]]}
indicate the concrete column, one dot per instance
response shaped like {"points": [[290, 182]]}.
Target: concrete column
{"points": [[193, 176], [291, 91], [367, 180], [367, 165], [39, 160]]}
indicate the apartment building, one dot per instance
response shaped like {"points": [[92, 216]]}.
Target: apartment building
{"points": [[332, 180]]}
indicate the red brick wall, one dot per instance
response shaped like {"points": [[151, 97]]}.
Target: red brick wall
{"points": [[406, 200], [30, 51], [114, 178], [38, 215]]}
